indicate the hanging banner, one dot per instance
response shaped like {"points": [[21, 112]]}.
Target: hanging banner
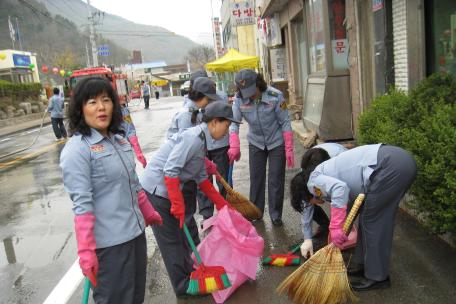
{"points": [[269, 30], [242, 13], [278, 64]]}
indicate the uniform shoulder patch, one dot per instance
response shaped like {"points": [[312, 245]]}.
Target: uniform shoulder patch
{"points": [[127, 118], [284, 105], [318, 192], [272, 93]]}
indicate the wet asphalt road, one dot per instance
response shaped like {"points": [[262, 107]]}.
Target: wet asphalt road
{"points": [[36, 227]]}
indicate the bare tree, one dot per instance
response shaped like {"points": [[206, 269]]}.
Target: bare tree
{"points": [[199, 56]]}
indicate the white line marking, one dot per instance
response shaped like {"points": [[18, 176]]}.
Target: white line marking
{"points": [[5, 139], [63, 291]]}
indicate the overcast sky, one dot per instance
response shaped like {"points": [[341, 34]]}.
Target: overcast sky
{"points": [[190, 18]]}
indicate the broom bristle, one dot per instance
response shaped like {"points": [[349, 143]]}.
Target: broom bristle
{"points": [[239, 202], [207, 279], [321, 279]]}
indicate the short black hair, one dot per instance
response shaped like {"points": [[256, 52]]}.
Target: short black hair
{"points": [[56, 91], [298, 187], [195, 95], [86, 89]]}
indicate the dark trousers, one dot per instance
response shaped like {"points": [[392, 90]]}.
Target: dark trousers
{"points": [[173, 245], [58, 127], [146, 101], [320, 217], [122, 271], [157, 94], [393, 176], [276, 178], [220, 158], [189, 190]]}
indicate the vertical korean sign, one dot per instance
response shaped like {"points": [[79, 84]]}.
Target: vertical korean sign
{"points": [[242, 13], [339, 42], [278, 64]]}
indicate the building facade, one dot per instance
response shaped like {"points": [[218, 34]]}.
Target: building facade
{"points": [[340, 54]]}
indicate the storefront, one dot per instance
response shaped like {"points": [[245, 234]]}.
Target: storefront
{"points": [[18, 66], [327, 108]]}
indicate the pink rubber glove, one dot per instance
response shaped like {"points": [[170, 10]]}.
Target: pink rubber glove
{"points": [[211, 167], [336, 225], [234, 152], [139, 155], [289, 152], [88, 261], [151, 216]]}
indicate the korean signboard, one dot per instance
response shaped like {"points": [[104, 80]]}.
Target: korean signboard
{"points": [[278, 64], [242, 13], [21, 60], [340, 53]]}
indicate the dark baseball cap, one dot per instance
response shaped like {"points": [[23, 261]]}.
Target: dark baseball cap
{"points": [[196, 74], [245, 81], [219, 109], [207, 87]]}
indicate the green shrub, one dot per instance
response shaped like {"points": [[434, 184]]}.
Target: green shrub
{"points": [[19, 91], [423, 123]]}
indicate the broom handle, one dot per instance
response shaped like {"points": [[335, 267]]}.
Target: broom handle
{"points": [[353, 212], [85, 295], [223, 181], [230, 175], [192, 244]]}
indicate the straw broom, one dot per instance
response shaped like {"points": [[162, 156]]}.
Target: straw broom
{"points": [[240, 202], [323, 278]]}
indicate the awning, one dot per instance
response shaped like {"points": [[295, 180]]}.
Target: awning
{"points": [[233, 61]]}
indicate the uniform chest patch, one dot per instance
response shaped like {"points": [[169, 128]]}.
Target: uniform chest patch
{"points": [[97, 148], [246, 106], [318, 192], [127, 118], [122, 141]]}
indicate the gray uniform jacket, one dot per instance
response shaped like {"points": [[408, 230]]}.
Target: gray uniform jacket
{"points": [[127, 123], [183, 120], [340, 179], [181, 156], [267, 118], [333, 150], [55, 107], [99, 175]]}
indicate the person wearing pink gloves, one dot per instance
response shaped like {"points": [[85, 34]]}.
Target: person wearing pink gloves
{"points": [[130, 133], [111, 208], [179, 160], [270, 139], [383, 173]]}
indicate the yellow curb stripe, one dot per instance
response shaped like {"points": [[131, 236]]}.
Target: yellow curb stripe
{"points": [[31, 155]]}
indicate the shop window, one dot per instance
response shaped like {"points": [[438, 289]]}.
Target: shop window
{"points": [[441, 36], [314, 9], [338, 34]]}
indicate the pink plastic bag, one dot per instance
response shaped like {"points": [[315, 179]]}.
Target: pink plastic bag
{"points": [[352, 238], [233, 243]]}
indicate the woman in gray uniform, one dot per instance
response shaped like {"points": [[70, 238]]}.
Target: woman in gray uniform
{"points": [[180, 160], [111, 209], [383, 173]]}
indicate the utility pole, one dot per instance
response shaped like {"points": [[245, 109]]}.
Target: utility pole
{"points": [[18, 34], [92, 36], [87, 56]]}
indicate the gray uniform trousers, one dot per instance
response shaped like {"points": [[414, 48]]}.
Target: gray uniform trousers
{"points": [[189, 191], [220, 158], [393, 176], [173, 245], [276, 178], [122, 271]]}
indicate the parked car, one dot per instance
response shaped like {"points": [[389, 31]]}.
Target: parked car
{"points": [[185, 87], [135, 94]]}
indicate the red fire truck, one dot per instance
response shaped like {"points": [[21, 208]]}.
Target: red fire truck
{"points": [[119, 81]]}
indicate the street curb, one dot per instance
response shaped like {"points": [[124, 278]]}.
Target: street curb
{"points": [[24, 126]]}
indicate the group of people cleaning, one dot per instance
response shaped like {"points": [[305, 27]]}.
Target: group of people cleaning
{"points": [[113, 206]]}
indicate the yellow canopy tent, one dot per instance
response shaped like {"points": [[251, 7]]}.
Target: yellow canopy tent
{"points": [[233, 61]]}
